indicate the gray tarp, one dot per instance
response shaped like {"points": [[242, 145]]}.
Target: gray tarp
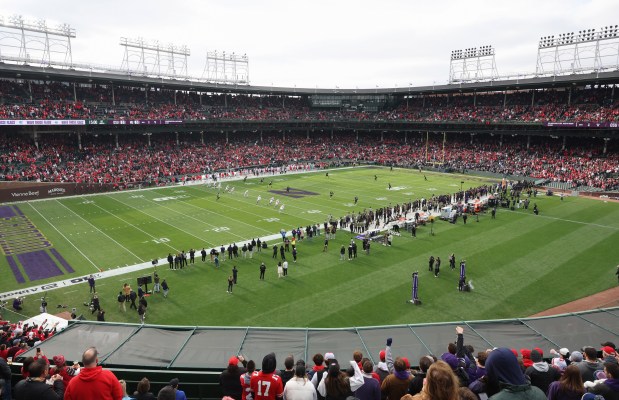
{"points": [[209, 348]]}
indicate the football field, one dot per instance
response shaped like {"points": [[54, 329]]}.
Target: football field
{"points": [[519, 263]]}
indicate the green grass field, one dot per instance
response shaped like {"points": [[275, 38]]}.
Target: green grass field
{"points": [[519, 263]]}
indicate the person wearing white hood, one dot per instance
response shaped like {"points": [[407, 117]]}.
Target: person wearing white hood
{"points": [[541, 373]]}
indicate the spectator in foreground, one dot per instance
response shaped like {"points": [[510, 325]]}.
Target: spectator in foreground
{"points": [[246, 380], [61, 368], [610, 387], [381, 368], [417, 383], [267, 377], [93, 382], [370, 390], [541, 373], [318, 368], [123, 384], [441, 384], [180, 395], [143, 391], [337, 385], [506, 379], [35, 387], [395, 385], [559, 359], [299, 387], [229, 379], [569, 387], [590, 364], [289, 372], [166, 393]]}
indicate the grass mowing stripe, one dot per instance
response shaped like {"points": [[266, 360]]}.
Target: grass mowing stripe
{"points": [[260, 207], [196, 219], [228, 236], [363, 284], [65, 238], [546, 291], [99, 230], [321, 291], [538, 262], [158, 219]]}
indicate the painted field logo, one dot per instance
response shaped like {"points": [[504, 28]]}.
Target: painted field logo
{"points": [[294, 193], [22, 243], [171, 198]]}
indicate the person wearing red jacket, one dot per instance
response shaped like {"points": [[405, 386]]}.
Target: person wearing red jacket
{"points": [[62, 369], [93, 382]]}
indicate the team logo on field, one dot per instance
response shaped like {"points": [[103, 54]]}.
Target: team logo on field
{"points": [[171, 198], [294, 193]]}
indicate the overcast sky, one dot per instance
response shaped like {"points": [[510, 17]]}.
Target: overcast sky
{"points": [[328, 44]]}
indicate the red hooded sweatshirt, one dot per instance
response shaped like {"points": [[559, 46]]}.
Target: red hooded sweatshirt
{"points": [[94, 383]]}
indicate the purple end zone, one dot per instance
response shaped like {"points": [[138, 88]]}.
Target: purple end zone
{"points": [[18, 276], [38, 265], [18, 211], [62, 261], [6, 212]]}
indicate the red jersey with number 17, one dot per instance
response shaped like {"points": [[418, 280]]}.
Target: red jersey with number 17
{"points": [[267, 386]]}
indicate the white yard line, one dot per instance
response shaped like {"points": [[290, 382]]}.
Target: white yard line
{"points": [[103, 233], [100, 275], [162, 221], [65, 238], [130, 224], [185, 215], [222, 204]]}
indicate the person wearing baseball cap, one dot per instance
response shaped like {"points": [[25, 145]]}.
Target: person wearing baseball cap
{"points": [[61, 368], [609, 354], [230, 378], [559, 358], [381, 368]]}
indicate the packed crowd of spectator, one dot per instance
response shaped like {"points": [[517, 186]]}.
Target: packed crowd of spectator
{"points": [[165, 160], [59, 159], [33, 100], [459, 373]]}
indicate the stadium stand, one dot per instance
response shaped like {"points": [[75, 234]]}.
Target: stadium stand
{"points": [[58, 159], [579, 164], [175, 352], [96, 156]]}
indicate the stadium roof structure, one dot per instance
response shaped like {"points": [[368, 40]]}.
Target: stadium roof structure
{"points": [[208, 348], [18, 71]]}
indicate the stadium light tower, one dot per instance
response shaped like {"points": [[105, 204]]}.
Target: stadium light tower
{"points": [[584, 51], [153, 59], [226, 68], [473, 64], [28, 42]]}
